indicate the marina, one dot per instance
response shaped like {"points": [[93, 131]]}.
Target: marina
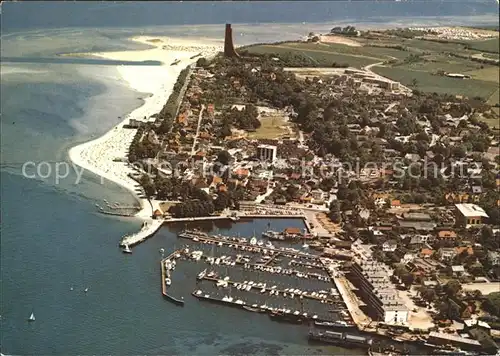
{"points": [[252, 275], [288, 285]]}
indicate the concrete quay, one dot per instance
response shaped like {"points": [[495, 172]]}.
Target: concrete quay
{"points": [[149, 228]]}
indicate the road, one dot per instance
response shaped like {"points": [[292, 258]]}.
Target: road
{"points": [[369, 67], [193, 149]]}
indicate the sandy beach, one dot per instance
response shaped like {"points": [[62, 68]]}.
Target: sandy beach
{"points": [[101, 155]]}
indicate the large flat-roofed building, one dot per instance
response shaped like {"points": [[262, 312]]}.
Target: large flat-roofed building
{"points": [[267, 152], [378, 293], [470, 214], [455, 340]]}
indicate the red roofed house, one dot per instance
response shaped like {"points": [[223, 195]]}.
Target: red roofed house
{"points": [[426, 253]]}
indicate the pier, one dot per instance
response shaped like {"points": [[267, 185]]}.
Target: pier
{"points": [[165, 274], [149, 228]]}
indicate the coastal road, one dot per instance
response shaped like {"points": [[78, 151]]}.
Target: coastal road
{"points": [[193, 149]]}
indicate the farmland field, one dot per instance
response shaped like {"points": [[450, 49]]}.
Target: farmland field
{"points": [[490, 73], [399, 66], [490, 45], [442, 62], [323, 56], [439, 84]]}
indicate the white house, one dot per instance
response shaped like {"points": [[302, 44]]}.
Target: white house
{"points": [[389, 246]]}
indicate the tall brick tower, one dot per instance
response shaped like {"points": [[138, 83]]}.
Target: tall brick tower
{"points": [[229, 50]]}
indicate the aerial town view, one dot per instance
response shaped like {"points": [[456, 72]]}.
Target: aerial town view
{"points": [[341, 186], [397, 185]]}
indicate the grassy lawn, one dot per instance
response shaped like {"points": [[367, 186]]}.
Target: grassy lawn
{"points": [[432, 83], [491, 55], [323, 55], [437, 62], [271, 127], [490, 73], [495, 97], [490, 45], [493, 123]]}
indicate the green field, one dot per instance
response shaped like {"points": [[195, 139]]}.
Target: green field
{"points": [[271, 127], [439, 84], [443, 62], [489, 73], [321, 55], [494, 98], [490, 45], [434, 57]]}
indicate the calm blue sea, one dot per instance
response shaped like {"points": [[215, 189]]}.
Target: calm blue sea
{"points": [[52, 239]]}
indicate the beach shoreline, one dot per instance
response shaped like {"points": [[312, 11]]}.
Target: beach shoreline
{"points": [[106, 156]]}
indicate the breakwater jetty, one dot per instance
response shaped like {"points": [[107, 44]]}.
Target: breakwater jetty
{"points": [[149, 228], [167, 265]]}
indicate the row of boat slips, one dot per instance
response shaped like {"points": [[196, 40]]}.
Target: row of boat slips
{"points": [[278, 278], [260, 264], [243, 243], [262, 287]]}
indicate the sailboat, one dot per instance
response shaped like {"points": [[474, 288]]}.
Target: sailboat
{"points": [[32, 317]]}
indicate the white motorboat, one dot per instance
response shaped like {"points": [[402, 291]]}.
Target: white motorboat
{"points": [[202, 274], [32, 317], [168, 281], [253, 240], [127, 249]]}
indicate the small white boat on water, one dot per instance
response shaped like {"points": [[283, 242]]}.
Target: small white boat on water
{"points": [[305, 246], [253, 241], [32, 317], [168, 281], [202, 274], [127, 249], [86, 290]]}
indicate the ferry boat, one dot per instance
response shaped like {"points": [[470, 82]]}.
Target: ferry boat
{"points": [[177, 61], [340, 339]]}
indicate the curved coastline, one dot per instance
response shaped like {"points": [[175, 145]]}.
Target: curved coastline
{"points": [[106, 155]]}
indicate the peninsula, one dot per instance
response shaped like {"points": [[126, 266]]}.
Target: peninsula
{"points": [[385, 142]]}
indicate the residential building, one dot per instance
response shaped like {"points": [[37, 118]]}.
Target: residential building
{"points": [[378, 293], [458, 270], [447, 235], [494, 257], [389, 246], [267, 153], [426, 253], [470, 215], [455, 340]]}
